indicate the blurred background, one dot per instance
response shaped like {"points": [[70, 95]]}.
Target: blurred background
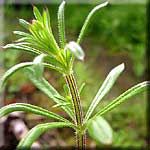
{"points": [[117, 34]]}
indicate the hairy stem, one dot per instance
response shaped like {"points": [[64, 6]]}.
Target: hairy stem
{"points": [[71, 82]]}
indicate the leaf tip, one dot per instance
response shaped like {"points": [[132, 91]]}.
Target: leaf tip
{"points": [[145, 83], [63, 2], [122, 66], [6, 46], [33, 5], [106, 3], [81, 57]]}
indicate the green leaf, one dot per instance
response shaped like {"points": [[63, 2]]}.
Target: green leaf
{"points": [[24, 23], [19, 46], [38, 130], [61, 104], [20, 33], [37, 14], [100, 130], [87, 21], [41, 83], [48, 32], [31, 109], [104, 89], [139, 88], [66, 90], [38, 65], [46, 20], [53, 67], [76, 50], [48, 90], [81, 88], [61, 24], [12, 70], [54, 61], [18, 67]]}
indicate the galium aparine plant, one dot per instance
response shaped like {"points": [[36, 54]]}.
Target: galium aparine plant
{"points": [[40, 41]]}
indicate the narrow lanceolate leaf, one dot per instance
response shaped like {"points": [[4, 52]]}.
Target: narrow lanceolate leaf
{"points": [[46, 20], [100, 130], [18, 46], [24, 34], [31, 109], [37, 14], [61, 24], [139, 88], [76, 50], [12, 70], [24, 23], [38, 130], [48, 90], [81, 88], [38, 65], [18, 67], [104, 89], [87, 21]]}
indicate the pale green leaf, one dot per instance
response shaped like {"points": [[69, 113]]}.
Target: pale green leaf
{"points": [[37, 14], [20, 33], [24, 23], [66, 89], [81, 88], [100, 130], [47, 32], [87, 21], [38, 65], [104, 89], [61, 24], [19, 46], [61, 104], [46, 20], [75, 49], [31, 109], [139, 88], [38, 130]]}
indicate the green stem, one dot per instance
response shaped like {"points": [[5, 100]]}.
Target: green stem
{"points": [[71, 82]]}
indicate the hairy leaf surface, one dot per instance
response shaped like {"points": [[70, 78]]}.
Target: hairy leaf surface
{"points": [[104, 89], [139, 88]]}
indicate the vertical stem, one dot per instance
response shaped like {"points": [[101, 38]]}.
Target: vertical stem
{"points": [[71, 82]]}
